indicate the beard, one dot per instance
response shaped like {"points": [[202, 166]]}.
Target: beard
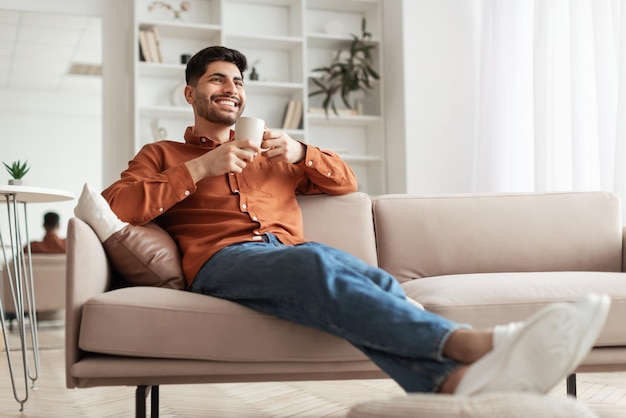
{"points": [[206, 110]]}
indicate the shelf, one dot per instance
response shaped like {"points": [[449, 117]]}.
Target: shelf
{"points": [[354, 158], [344, 6], [283, 40], [343, 120], [270, 87], [323, 40], [263, 2], [285, 43], [165, 111], [182, 30], [156, 69]]}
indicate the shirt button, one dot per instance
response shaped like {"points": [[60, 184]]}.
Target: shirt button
{"points": [[257, 232], [254, 218], [244, 206], [160, 209], [310, 163], [232, 174], [236, 191], [186, 192], [328, 174], [203, 140]]}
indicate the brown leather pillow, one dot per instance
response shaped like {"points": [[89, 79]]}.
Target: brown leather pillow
{"points": [[146, 256]]}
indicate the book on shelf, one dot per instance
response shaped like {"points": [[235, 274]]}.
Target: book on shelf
{"points": [[297, 116], [157, 42], [289, 113], [143, 45], [142, 57], [149, 45], [293, 115], [152, 44]]}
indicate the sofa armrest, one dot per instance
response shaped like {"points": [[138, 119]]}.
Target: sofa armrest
{"points": [[87, 275]]}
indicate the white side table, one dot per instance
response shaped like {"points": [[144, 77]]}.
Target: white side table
{"points": [[21, 277]]}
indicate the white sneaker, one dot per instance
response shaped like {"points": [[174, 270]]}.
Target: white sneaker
{"points": [[540, 353]]}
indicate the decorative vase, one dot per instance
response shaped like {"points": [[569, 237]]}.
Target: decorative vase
{"points": [[358, 101], [16, 182]]}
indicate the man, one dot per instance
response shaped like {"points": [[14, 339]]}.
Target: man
{"points": [[52, 243], [232, 209]]}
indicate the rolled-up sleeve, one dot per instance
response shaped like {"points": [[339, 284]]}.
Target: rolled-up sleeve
{"points": [[326, 173], [145, 190]]}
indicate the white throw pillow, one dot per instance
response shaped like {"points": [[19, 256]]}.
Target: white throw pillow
{"points": [[94, 210]]}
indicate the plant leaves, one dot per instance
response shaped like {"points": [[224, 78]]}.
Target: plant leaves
{"points": [[347, 73]]}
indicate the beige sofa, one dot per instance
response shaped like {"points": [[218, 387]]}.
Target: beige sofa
{"points": [[478, 259], [49, 282]]}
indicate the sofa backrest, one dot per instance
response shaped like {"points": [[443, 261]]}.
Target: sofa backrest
{"points": [[344, 222], [425, 236]]}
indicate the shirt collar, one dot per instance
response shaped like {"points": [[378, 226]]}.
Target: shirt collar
{"points": [[203, 141]]}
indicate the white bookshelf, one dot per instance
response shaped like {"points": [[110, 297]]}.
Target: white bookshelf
{"points": [[284, 40]]}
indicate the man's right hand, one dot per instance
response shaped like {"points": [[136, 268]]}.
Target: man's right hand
{"points": [[229, 157]]}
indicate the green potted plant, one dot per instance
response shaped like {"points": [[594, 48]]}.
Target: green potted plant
{"points": [[17, 170], [349, 72]]}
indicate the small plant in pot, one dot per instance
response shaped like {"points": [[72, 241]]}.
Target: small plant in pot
{"points": [[350, 71], [17, 170]]}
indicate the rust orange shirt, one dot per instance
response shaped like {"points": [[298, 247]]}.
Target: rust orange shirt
{"points": [[51, 244], [219, 211]]}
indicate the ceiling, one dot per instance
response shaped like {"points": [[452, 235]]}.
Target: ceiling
{"points": [[44, 51]]}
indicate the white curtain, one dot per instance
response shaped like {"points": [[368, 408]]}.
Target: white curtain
{"points": [[552, 101]]}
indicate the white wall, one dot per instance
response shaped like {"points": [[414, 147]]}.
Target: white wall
{"points": [[77, 139], [59, 133], [61, 137], [431, 52]]}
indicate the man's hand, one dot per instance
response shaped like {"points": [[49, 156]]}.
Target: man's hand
{"points": [[282, 148], [230, 157]]}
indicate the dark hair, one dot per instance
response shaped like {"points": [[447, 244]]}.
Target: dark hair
{"points": [[196, 66], [51, 219]]}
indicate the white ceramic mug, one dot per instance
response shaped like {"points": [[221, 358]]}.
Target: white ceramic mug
{"points": [[250, 128]]}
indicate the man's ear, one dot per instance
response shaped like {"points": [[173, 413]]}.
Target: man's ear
{"points": [[189, 90]]}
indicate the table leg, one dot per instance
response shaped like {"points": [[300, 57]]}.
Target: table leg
{"points": [[22, 292], [30, 299]]}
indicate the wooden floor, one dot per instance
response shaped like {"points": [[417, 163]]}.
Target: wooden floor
{"points": [[604, 393]]}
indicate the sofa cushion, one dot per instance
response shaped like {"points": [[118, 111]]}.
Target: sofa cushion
{"points": [[157, 322], [423, 236], [490, 405], [488, 299], [144, 255]]}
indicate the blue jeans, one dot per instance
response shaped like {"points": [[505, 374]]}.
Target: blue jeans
{"points": [[328, 289]]}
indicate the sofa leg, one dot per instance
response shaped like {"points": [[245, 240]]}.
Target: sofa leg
{"points": [[140, 401], [571, 385], [154, 402]]}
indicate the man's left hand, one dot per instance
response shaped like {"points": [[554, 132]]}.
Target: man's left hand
{"points": [[282, 148]]}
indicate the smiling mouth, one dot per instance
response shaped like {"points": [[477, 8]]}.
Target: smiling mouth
{"points": [[227, 102]]}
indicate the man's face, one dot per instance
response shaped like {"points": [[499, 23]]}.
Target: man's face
{"points": [[219, 96]]}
